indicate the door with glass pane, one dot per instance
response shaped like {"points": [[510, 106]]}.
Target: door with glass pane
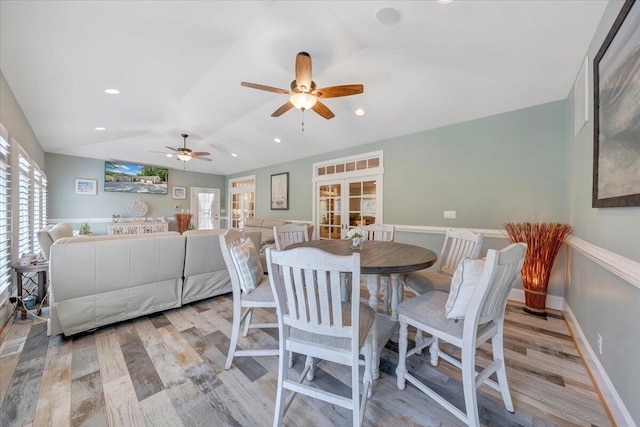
{"points": [[345, 204], [205, 208], [242, 208]]}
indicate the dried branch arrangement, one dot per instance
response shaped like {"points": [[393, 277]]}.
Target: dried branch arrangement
{"points": [[543, 242], [183, 221]]}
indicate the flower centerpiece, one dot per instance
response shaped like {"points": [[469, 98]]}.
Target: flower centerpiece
{"points": [[357, 238]]}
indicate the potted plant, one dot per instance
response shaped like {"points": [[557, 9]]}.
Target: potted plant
{"points": [[84, 229], [543, 242]]}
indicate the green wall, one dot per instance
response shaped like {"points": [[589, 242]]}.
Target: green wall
{"points": [[602, 302], [64, 204], [498, 169]]}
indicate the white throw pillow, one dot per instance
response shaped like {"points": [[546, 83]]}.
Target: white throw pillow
{"points": [[245, 257], [463, 283]]}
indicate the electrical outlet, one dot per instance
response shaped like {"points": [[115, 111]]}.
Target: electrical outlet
{"points": [[600, 344], [450, 214]]}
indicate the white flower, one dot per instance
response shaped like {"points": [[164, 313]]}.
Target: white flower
{"points": [[355, 232]]}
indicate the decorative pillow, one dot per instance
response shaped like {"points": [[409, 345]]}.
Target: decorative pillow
{"points": [[60, 230], [463, 283], [245, 257]]}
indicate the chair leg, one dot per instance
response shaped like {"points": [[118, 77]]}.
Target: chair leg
{"points": [[290, 359], [367, 378], [281, 395], [469, 385], [403, 342], [419, 341], [501, 373], [311, 364], [247, 322], [434, 349], [355, 394], [235, 331]]}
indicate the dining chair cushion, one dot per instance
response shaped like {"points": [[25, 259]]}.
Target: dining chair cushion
{"points": [[262, 292], [367, 316], [245, 257], [463, 284], [429, 309], [422, 282]]}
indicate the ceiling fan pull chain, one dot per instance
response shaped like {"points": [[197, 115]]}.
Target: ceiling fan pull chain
{"points": [[302, 119]]}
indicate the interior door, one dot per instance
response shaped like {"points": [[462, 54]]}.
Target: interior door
{"points": [[205, 207], [346, 203]]}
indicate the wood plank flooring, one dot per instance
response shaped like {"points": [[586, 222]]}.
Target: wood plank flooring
{"points": [[168, 370]]}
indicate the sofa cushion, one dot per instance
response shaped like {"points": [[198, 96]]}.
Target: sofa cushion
{"points": [[45, 241], [463, 284], [60, 230], [253, 222], [270, 223], [245, 257]]}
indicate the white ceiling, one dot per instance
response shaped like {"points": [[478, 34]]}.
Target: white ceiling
{"points": [[179, 66]]}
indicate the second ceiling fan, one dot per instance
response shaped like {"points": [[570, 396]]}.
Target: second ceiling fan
{"points": [[303, 93]]}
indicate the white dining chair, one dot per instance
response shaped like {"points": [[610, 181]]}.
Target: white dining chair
{"points": [[288, 234], [250, 288], [482, 320], [316, 323], [382, 233], [458, 244]]}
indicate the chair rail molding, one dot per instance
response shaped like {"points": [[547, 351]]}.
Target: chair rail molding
{"points": [[622, 267]]}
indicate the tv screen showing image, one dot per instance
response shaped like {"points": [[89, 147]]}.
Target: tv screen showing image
{"points": [[133, 178]]}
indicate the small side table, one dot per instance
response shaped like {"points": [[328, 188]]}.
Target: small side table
{"points": [[42, 268]]}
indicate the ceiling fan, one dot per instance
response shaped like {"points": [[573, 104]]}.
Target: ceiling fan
{"points": [[303, 93], [185, 154]]}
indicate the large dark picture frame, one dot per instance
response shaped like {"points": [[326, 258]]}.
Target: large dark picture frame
{"points": [[616, 147], [280, 191]]}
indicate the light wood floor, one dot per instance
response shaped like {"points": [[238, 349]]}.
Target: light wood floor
{"points": [[167, 370]]}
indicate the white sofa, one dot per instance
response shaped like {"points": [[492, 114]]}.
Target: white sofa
{"points": [[99, 280], [205, 272]]}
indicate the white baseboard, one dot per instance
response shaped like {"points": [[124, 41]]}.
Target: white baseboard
{"points": [[616, 406], [553, 301]]}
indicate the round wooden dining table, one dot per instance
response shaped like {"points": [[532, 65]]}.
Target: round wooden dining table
{"points": [[380, 258]]}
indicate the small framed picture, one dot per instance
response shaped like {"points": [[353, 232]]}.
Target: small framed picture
{"points": [[179, 193], [280, 191], [87, 187]]}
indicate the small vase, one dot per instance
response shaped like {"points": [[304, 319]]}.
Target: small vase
{"points": [[357, 243]]}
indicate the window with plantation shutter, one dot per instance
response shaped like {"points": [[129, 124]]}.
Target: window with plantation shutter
{"points": [[24, 204], [5, 211], [32, 204]]}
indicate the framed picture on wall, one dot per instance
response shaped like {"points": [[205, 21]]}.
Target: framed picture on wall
{"points": [[616, 151], [179, 193], [280, 191], [87, 187]]}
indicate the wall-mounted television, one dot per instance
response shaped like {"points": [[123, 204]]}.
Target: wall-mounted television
{"points": [[133, 178]]}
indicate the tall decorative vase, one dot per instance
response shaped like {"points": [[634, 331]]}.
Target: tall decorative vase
{"points": [[543, 242]]}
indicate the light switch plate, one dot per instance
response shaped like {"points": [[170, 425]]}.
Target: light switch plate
{"points": [[450, 214]]}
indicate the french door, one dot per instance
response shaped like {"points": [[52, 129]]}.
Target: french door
{"points": [[343, 204], [205, 208]]}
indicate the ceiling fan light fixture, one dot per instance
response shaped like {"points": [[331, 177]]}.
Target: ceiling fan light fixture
{"points": [[184, 157], [303, 100]]}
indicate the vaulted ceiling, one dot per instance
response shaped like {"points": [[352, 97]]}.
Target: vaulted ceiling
{"points": [[178, 66]]}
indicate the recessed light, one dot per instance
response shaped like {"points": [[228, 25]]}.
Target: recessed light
{"points": [[389, 16], [112, 91], [359, 112], [234, 154], [277, 140], [445, 1], [101, 129], [169, 155]]}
